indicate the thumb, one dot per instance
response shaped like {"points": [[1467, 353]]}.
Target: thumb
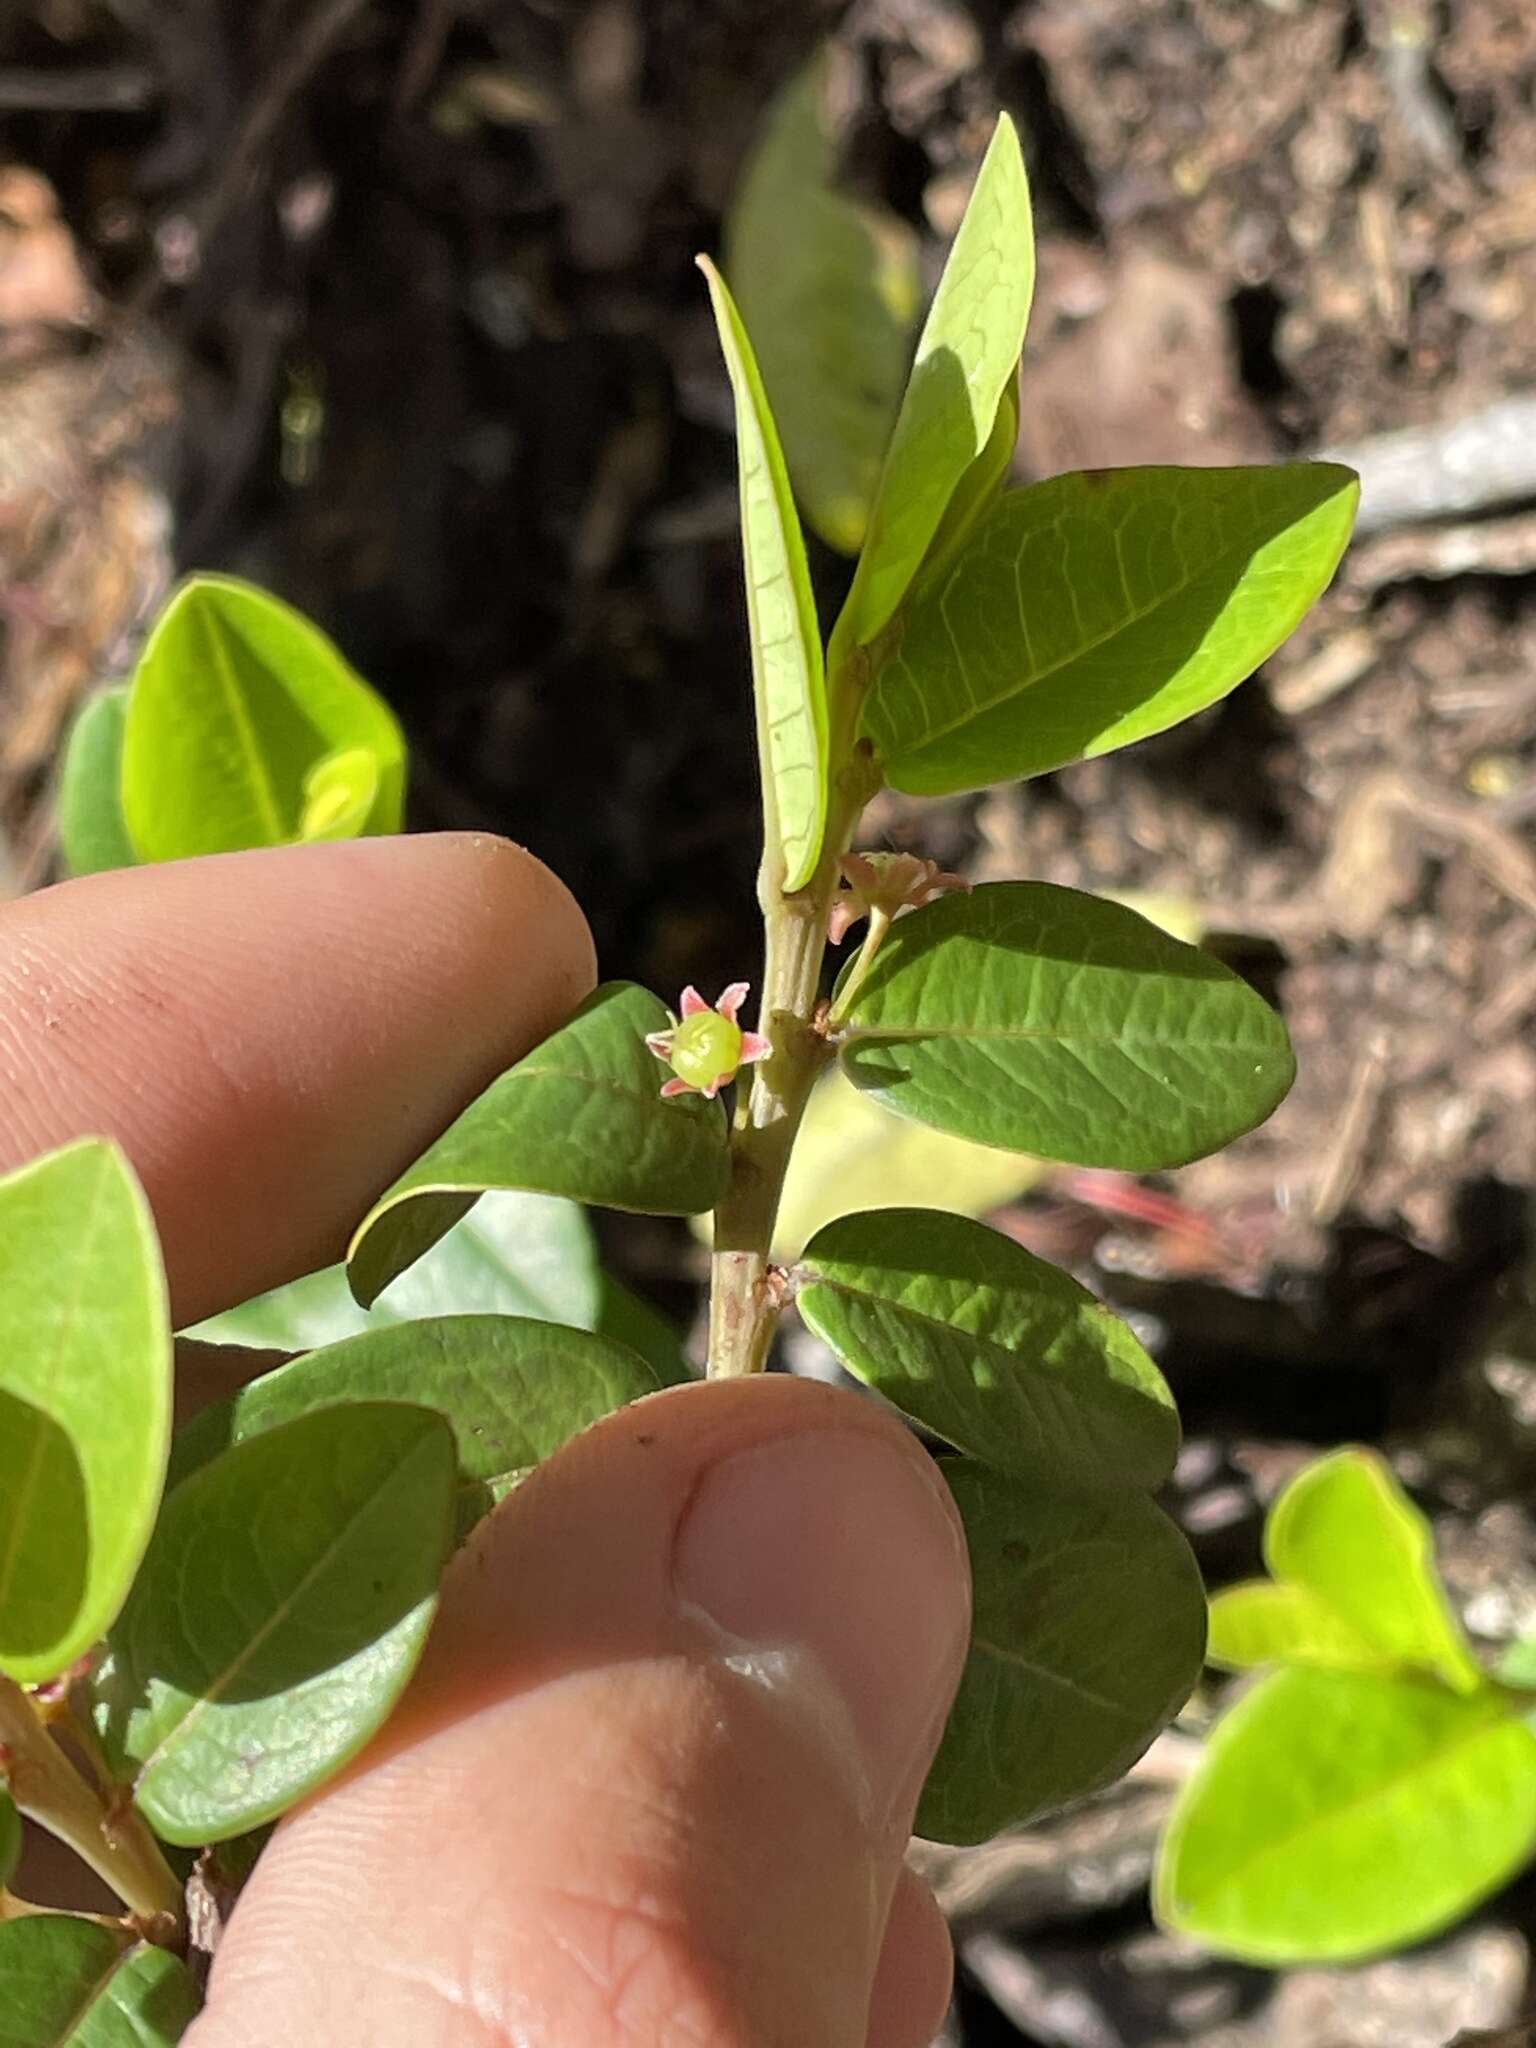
{"points": [[654, 1779]]}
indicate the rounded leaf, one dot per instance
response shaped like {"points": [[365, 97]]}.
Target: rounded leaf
{"points": [[93, 834], [236, 700], [581, 1116], [1056, 1023], [85, 1401], [280, 1611], [1337, 1814], [1086, 1638], [1002, 1355], [70, 1983]]}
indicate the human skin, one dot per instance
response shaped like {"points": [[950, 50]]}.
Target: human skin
{"points": [[652, 1783]]}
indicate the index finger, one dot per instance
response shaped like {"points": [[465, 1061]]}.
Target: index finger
{"points": [[273, 1036]]}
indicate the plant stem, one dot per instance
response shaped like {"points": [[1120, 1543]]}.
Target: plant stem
{"points": [[116, 1844]]}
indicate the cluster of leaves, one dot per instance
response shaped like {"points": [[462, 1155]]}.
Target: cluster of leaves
{"points": [[1378, 1783], [988, 632]]}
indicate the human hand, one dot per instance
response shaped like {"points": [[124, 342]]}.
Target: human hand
{"points": [[653, 1780]]}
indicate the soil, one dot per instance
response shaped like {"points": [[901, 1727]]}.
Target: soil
{"points": [[390, 304]]}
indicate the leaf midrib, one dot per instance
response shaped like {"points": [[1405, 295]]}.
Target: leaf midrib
{"points": [[240, 717]]}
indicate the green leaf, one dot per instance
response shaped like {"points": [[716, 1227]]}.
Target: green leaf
{"points": [[69, 1983], [966, 355], [628, 1318], [1260, 1622], [1517, 1666], [280, 1611], [511, 1390], [92, 832], [789, 684], [340, 792], [977, 490], [237, 698], [829, 289], [581, 1116], [851, 1154], [1094, 609], [10, 1838], [1055, 1023], [512, 1255], [1088, 1627], [1345, 1530], [992, 1349], [85, 1401], [1340, 1813]]}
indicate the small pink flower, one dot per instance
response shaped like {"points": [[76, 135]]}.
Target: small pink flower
{"points": [[889, 883], [706, 1047]]}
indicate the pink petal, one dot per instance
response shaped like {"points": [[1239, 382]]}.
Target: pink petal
{"points": [[692, 1001], [861, 873], [845, 911], [713, 1089], [754, 1047], [732, 999], [660, 1043], [677, 1086]]}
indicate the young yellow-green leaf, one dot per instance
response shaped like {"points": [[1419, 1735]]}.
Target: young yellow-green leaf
{"points": [[85, 1401], [1346, 1531], [581, 1116], [512, 1391], [92, 832], [967, 353], [977, 490], [1336, 1814], [1002, 1355], [71, 1983], [1086, 1638], [1094, 609], [281, 1609], [512, 1255], [236, 699], [1263, 1622], [829, 290], [1055, 1023], [787, 676], [340, 792]]}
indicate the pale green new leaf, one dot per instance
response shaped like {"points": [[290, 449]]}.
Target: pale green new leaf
{"points": [[1002, 1355], [582, 1115], [1052, 1022], [282, 1606], [977, 490], [340, 792], [1346, 1531], [1087, 1632], [828, 289], [85, 1401], [787, 676], [1094, 609], [1263, 1622], [236, 699], [1337, 1814], [70, 1983], [512, 1391], [92, 833], [967, 353]]}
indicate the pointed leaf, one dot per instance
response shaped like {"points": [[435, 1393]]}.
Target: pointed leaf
{"points": [[967, 353], [581, 1116], [1094, 609], [990, 1348], [281, 1609], [1345, 1530], [829, 290], [85, 1401], [1340, 1813], [851, 1154], [70, 1983], [510, 1389], [787, 676], [512, 1255], [1088, 1627], [92, 831], [977, 491], [1055, 1023], [236, 699], [1261, 1622]]}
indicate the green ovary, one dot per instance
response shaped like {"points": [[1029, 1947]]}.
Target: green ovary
{"points": [[706, 1049]]}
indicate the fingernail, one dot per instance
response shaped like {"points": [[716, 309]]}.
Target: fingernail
{"points": [[842, 1546]]}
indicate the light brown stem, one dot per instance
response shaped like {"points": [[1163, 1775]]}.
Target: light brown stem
{"points": [[116, 1844]]}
